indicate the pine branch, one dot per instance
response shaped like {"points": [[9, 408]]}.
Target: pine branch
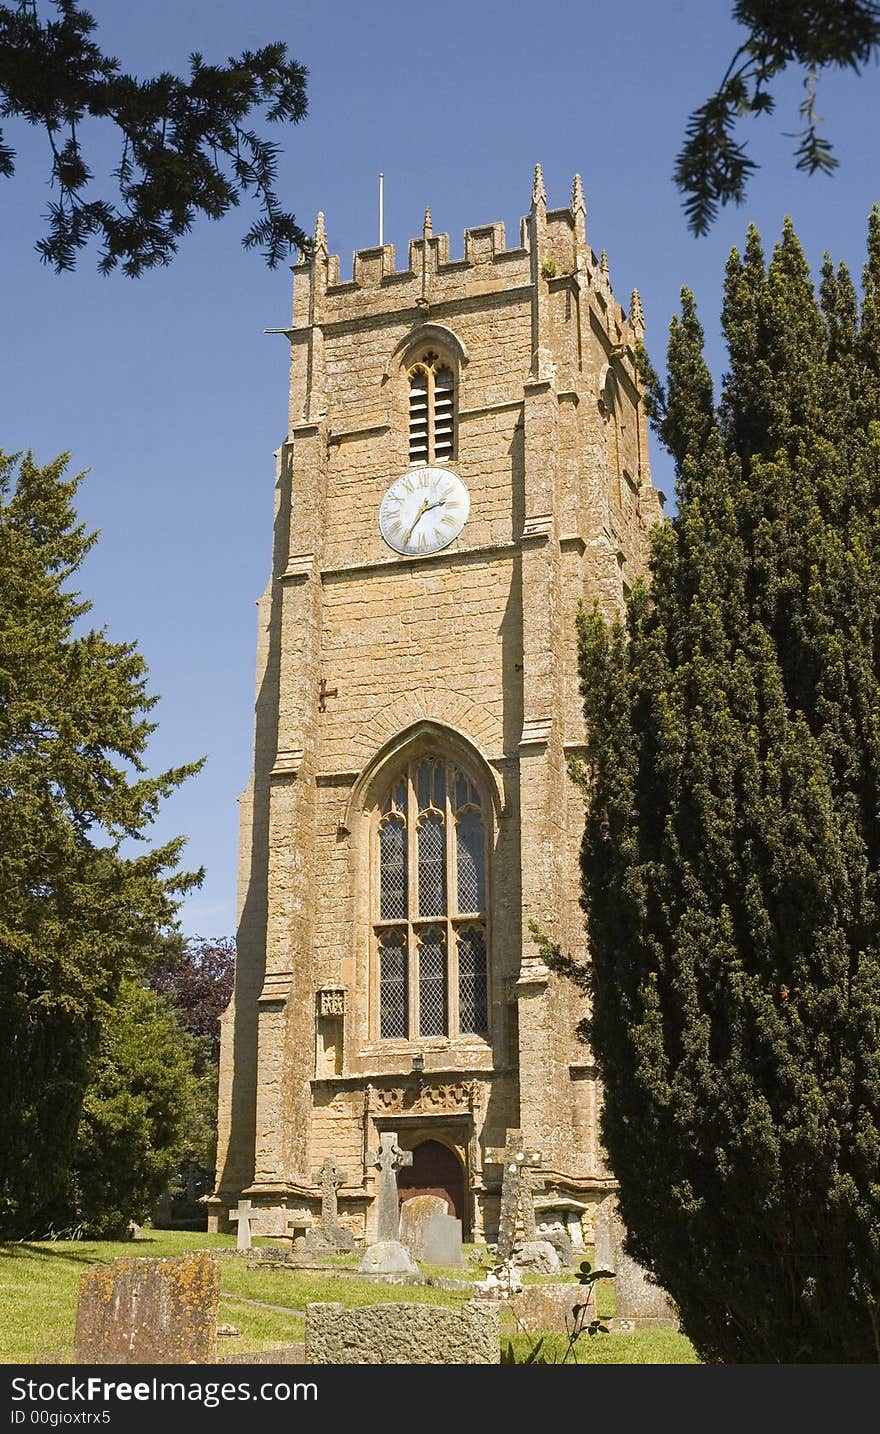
{"points": [[187, 149]]}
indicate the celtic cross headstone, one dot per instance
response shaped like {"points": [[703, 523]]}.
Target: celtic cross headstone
{"points": [[517, 1190], [389, 1158]]}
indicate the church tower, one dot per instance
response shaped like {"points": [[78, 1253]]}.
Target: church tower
{"points": [[466, 462]]}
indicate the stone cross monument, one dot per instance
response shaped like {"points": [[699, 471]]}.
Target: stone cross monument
{"points": [[330, 1177], [243, 1214], [389, 1158], [517, 1190]]}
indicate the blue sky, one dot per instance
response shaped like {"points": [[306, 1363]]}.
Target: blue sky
{"points": [[167, 389]]}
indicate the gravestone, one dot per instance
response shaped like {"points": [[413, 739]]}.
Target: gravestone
{"points": [[387, 1257], [636, 1296], [537, 1255], [558, 1237], [517, 1191], [608, 1235], [414, 1214], [441, 1244], [313, 1245], [402, 1333], [560, 1308], [145, 1311], [330, 1177], [389, 1158], [242, 1213]]}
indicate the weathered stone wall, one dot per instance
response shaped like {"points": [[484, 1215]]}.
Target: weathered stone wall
{"points": [[402, 1333]]}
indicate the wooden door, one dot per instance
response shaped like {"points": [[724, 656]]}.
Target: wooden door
{"points": [[436, 1170]]}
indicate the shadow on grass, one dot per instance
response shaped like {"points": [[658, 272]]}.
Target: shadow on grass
{"points": [[63, 1251]]}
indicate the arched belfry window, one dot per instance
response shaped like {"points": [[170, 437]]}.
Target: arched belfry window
{"points": [[431, 410], [430, 918]]}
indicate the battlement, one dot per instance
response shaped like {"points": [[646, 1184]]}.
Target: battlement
{"points": [[552, 249]]}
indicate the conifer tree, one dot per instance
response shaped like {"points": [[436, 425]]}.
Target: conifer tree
{"points": [[77, 912], [731, 859]]}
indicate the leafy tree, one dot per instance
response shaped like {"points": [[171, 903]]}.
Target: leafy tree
{"points": [[731, 860], [186, 145], [141, 1109], [76, 913], [713, 166], [197, 975]]}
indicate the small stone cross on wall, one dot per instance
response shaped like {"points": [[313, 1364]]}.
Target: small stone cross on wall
{"points": [[242, 1213], [389, 1158], [517, 1190]]}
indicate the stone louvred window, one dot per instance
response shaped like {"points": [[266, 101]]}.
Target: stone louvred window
{"points": [[431, 410], [430, 923]]}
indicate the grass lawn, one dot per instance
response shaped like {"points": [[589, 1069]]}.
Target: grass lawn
{"points": [[39, 1283]]}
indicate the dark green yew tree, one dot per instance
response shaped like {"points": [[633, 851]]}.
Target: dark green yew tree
{"points": [[77, 912], [141, 1109], [731, 860]]}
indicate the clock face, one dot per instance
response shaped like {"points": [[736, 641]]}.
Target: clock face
{"points": [[423, 511]]}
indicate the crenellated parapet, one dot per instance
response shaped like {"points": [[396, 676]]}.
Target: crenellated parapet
{"points": [[552, 249]]}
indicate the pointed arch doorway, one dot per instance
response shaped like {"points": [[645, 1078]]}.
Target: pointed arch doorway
{"points": [[436, 1170]]}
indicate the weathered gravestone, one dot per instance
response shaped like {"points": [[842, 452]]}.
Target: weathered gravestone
{"points": [[388, 1255], [558, 1237], [518, 1185], [389, 1158], [608, 1235], [561, 1308], [414, 1214], [442, 1241], [637, 1297], [402, 1333], [143, 1311], [537, 1255], [330, 1177]]}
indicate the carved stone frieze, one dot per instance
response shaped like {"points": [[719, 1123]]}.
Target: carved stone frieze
{"points": [[454, 1097]]}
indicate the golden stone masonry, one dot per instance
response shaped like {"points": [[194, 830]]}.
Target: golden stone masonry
{"points": [[466, 462]]}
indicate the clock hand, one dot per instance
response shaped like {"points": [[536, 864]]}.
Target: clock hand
{"points": [[412, 525]]}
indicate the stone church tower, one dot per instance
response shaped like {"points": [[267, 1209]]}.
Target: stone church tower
{"points": [[466, 462]]}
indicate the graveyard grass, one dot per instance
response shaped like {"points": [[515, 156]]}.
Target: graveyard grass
{"points": [[39, 1283]]}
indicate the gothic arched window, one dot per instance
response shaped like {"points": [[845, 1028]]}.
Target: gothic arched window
{"points": [[430, 918], [431, 410]]}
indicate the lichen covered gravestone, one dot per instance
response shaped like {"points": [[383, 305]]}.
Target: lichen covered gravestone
{"points": [[414, 1215], [517, 1191], [608, 1235], [143, 1311], [402, 1333], [388, 1255], [637, 1297], [560, 1308], [330, 1177]]}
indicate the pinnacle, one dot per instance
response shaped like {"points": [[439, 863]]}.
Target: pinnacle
{"points": [[320, 241], [539, 193], [578, 203], [636, 312], [427, 227], [603, 266]]}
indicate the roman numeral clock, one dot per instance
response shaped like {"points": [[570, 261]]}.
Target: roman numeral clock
{"points": [[423, 511]]}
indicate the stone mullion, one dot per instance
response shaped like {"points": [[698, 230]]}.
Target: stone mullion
{"points": [[412, 833], [451, 904], [430, 372]]}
